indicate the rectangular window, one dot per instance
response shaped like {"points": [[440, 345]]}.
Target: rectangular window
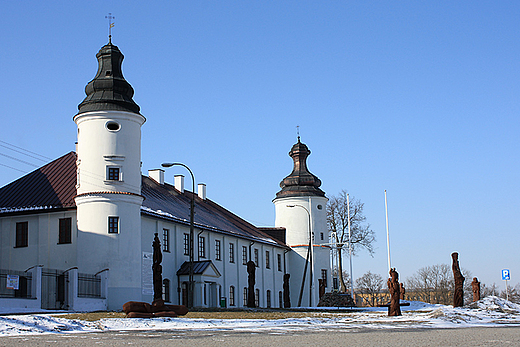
{"points": [[65, 230], [186, 244], [202, 247], [166, 240], [321, 236], [256, 257], [22, 234], [231, 296], [268, 299], [231, 253], [245, 296], [113, 225], [244, 255], [113, 173], [267, 262], [279, 261], [324, 276], [217, 250], [257, 297]]}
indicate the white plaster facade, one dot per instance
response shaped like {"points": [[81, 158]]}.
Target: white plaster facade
{"points": [[296, 215], [110, 140]]}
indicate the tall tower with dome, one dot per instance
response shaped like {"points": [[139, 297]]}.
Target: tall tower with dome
{"points": [[109, 179], [300, 208]]}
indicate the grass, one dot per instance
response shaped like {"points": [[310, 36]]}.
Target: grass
{"points": [[218, 314]]}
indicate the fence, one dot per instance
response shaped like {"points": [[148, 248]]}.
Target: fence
{"points": [[24, 282], [53, 289], [89, 286]]}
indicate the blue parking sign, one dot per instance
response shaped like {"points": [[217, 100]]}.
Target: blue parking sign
{"points": [[506, 276]]}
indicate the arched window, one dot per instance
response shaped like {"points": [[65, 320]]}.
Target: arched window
{"points": [[166, 290]]}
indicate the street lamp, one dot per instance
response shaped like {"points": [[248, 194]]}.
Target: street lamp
{"points": [[192, 211], [310, 256]]}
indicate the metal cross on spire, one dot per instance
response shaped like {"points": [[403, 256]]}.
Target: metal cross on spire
{"points": [[110, 26], [298, 132]]}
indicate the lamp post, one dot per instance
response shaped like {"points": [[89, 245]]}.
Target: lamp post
{"points": [[192, 211], [310, 256]]}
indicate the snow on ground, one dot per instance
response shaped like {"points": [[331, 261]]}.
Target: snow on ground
{"points": [[490, 311]]}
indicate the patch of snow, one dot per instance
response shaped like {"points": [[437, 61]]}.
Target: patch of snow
{"points": [[490, 311]]}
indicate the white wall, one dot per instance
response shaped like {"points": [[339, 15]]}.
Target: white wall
{"points": [[232, 274], [121, 252], [43, 247], [99, 147], [99, 198], [296, 221]]}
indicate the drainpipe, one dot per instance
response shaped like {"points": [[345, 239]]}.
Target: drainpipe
{"points": [[284, 263]]}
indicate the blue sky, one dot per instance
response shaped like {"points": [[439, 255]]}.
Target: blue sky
{"points": [[418, 98]]}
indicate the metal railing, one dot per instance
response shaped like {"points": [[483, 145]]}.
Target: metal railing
{"points": [[89, 286], [24, 281]]}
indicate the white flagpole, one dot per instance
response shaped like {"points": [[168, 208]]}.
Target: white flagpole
{"points": [[350, 250], [387, 234]]}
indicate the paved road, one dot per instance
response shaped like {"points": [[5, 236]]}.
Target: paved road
{"points": [[506, 336]]}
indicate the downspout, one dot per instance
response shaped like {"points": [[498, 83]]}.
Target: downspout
{"points": [[250, 245], [284, 262]]}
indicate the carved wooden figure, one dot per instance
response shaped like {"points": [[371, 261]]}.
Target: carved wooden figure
{"points": [[458, 294], [251, 280], [286, 293], [475, 285], [157, 268], [393, 287], [402, 291]]}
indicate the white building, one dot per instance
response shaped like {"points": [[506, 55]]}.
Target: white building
{"points": [[77, 232]]}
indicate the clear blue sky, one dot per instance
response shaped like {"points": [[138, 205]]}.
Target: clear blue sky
{"points": [[419, 98]]}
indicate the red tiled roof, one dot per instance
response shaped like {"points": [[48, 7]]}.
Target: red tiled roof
{"points": [[51, 186]]}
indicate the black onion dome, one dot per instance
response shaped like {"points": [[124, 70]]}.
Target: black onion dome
{"points": [[109, 91], [300, 182]]}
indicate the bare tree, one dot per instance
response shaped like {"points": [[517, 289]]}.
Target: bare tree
{"points": [[346, 278], [491, 290], [513, 293], [370, 284], [434, 284], [362, 237]]}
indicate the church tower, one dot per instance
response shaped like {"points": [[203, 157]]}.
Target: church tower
{"points": [[300, 207], [109, 179]]}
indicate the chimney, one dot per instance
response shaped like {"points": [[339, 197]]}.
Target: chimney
{"points": [[157, 175], [202, 191], [179, 183]]}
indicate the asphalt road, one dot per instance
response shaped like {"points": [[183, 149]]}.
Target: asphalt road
{"points": [[505, 336]]}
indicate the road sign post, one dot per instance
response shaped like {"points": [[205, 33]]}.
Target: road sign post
{"points": [[506, 276]]}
